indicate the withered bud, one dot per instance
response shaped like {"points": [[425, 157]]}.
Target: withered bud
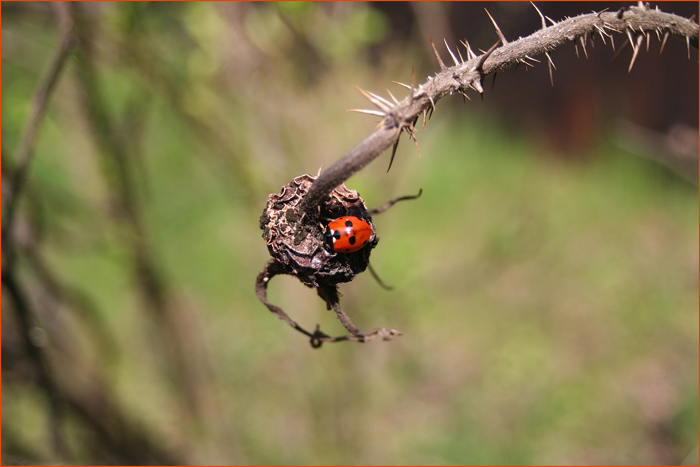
{"points": [[299, 245]]}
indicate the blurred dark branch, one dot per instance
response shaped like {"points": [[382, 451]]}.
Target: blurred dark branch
{"points": [[41, 99], [35, 353], [634, 22], [72, 297], [21, 306], [125, 441], [118, 168], [120, 436], [225, 149], [121, 440], [677, 148], [41, 350]]}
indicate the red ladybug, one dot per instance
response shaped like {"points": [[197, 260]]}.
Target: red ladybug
{"points": [[349, 234]]}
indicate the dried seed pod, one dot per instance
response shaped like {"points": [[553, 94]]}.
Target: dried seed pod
{"points": [[300, 247]]}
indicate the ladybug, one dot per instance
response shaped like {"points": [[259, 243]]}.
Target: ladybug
{"points": [[349, 234]]}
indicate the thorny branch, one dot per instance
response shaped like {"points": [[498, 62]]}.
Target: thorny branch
{"points": [[635, 22], [118, 160]]}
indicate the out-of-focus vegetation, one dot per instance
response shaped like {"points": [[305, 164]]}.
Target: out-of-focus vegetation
{"points": [[549, 303]]}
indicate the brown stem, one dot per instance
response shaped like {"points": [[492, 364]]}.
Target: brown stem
{"points": [[330, 295]]}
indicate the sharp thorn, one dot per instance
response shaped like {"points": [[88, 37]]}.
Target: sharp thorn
{"points": [[460, 55], [480, 64], [378, 101], [498, 30], [377, 113], [544, 24], [451, 54], [663, 43], [636, 51], [601, 33], [402, 84], [576, 47], [362, 91], [549, 58], [619, 51], [440, 62], [392, 96], [417, 147], [583, 40], [550, 65], [493, 83], [476, 85], [393, 151], [470, 52], [631, 39]]}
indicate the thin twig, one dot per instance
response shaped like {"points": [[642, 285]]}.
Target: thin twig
{"points": [[330, 295], [41, 100]]}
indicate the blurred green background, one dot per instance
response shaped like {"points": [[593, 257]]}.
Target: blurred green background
{"points": [[546, 283]]}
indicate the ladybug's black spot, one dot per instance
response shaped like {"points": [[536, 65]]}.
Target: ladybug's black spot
{"points": [[352, 240], [348, 223], [336, 234]]}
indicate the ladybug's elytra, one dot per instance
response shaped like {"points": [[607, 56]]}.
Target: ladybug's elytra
{"points": [[349, 234]]}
